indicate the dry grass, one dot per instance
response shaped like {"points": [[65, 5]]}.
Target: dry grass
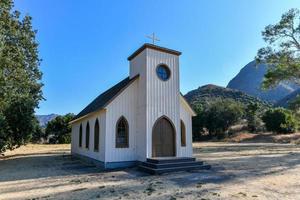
{"points": [[245, 137], [239, 171]]}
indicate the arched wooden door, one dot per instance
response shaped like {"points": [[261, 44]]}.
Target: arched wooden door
{"points": [[163, 138]]}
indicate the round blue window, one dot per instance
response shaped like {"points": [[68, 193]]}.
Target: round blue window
{"points": [[163, 72]]}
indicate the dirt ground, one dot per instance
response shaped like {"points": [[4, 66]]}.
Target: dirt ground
{"points": [[239, 171]]}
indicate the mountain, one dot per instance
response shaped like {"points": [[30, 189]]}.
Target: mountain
{"points": [[249, 80], [44, 119], [209, 92], [284, 102]]}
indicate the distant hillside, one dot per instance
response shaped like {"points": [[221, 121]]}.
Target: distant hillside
{"points": [[249, 80], [284, 102], [44, 119], [207, 93]]}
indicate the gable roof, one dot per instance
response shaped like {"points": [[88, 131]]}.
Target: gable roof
{"points": [[105, 98], [155, 47]]}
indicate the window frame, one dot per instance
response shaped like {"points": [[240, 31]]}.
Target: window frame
{"points": [[122, 145], [80, 136], [167, 70], [87, 133], [95, 132], [182, 134]]}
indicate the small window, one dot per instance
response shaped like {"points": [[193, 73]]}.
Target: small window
{"points": [[87, 135], [122, 133], [96, 136], [183, 135], [80, 136], [163, 72]]}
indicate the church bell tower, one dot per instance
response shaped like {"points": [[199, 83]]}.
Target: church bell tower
{"points": [[158, 92]]}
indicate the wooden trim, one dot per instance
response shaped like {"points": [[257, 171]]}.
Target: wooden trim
{"points": [[127, 133], [154, 47]]}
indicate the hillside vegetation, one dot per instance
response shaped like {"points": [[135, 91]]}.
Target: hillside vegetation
{"points": [[218, 109], [208, 93]]}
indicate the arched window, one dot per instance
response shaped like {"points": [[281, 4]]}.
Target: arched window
{"points": [[183, 135], [87, 135], [80, 136], [122, 133], [96, 136]]}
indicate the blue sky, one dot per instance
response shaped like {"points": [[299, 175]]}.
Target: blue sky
{"points": [[85, 44]]}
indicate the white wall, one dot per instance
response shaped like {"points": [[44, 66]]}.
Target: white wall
{"points": [[124, 104], [141, 103], [186, 117], [156, 97], [162, 96], [138, 66], [100, 155]]}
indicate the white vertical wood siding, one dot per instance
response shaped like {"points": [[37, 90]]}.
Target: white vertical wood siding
{"points": [[141, 103], [100, 155], [162, 96], [138, 66], [124, 104], [156, 98], [186, 117]]}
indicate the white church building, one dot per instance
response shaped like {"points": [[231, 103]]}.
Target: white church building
{"points": [[143, 116]]}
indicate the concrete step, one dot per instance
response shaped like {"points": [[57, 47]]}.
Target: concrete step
{"points": [[173, 169], [163, 160], [170, 165]]}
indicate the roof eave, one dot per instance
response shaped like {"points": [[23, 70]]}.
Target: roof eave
{"points": [[85, 116], [193, 112], [154, 47], [105, 105]]}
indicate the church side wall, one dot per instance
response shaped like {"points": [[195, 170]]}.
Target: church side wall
{"points": [[162, 96], [75, 149], [125, 104], [186, 117], [137, 66]]}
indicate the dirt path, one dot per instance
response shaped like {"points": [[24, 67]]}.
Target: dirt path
{"points": [[240, 171]]}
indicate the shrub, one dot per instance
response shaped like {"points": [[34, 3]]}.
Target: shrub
{"points": [[280, 120]]}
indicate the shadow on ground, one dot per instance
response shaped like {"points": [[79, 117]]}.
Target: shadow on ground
{"points": [[46, 165], [230, 163]]}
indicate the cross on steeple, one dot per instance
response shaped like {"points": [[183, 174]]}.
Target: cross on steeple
{"points": [[153, 38]]}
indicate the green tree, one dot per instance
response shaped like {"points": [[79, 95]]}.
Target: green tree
{"points": [[280, 120], [252, 114], [20, 77], [38, 134], [219, 115], [198, 122], [282, 52], [295, 104], [58, 130]]}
